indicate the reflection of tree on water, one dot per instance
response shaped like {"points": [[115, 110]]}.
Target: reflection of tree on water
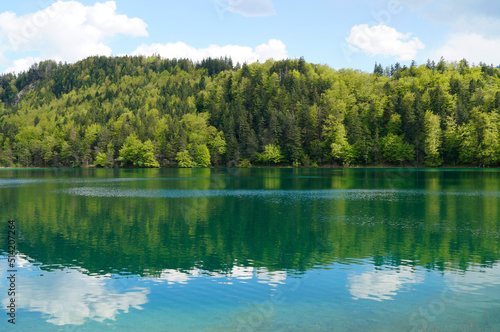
{"points": [[429, 221]]}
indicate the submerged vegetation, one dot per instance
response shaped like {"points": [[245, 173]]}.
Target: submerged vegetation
{"points": [[153, 112]]}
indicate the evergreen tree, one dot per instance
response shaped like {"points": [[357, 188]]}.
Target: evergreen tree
{"points": [[432, 142], [143, 112]]}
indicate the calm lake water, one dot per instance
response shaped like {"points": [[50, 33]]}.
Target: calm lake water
{"points": [[253, 249]]}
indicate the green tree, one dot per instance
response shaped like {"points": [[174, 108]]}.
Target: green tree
{"points": [[469, 147], [394, 125], [394, 150], [50, 155], [101, 160], [7, 156], [490, 146], [148, 155], [200, 133], [271, 154], [106, 159], [432, 141], [335, 132], [184, 159], [201, 156], [67, 115], [89, 141], [137, 154], [452, 138]]}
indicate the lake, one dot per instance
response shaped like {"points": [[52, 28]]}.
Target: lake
{"points": [[252, 249]]}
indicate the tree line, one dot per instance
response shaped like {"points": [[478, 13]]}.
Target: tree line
{"points": [[153, 112]]}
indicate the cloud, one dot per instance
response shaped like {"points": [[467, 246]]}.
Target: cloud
{"points": [[275, 49], [20, 65], [384, 40], [68, 31], [3, 60], [249, 8], [473, 47], [462, 16], [474, 28]]}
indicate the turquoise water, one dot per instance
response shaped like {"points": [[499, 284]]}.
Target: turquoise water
{"points": [[253, 249]]}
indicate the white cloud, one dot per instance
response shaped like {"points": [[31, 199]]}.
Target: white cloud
{"points": [[68, 31], [462, 16], [3, 60], [20, 65], [247, 7], [275, 49], [473, 47], [103, 17], [384, 40], [474, 28]]}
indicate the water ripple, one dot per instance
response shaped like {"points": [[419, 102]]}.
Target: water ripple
{"points": [[365, 194]]}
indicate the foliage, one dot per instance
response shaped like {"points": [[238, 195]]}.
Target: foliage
{"points": [[184, 159], [432, 143], [101, 159], [395, 150], [150, 112], [341, 150], [272, 154], [138, 154], [245, 163], [201, 155]]}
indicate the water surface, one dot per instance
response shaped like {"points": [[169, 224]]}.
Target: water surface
{"points": [[254, 249]]}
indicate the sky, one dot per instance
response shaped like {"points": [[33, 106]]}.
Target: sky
{"points": [[341, 34]]}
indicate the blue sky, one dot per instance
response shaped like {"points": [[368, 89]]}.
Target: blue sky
{"points": [[341, 34]]}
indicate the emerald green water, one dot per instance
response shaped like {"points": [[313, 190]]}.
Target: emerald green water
{"points": [[253, 249]]}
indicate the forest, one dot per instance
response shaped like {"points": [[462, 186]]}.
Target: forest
{"points": [[154, 112]]}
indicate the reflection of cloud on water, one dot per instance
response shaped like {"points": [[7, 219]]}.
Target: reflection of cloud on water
{"points": [[177, 277], [271, 278], [474, 279], [382, 285], [240, 273], [69, 296]]}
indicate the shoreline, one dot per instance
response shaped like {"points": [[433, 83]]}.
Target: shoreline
{"points": [[266, 167]]}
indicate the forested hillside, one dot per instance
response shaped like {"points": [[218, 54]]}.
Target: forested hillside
{"points": [[153, 112]]}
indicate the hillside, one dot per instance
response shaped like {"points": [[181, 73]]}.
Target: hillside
{"points": [[153, 112]]}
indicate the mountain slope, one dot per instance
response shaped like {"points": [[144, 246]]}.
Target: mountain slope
{"points": [[150, 112]]}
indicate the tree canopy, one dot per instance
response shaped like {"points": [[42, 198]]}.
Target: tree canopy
{"points": [[154, 112]]}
